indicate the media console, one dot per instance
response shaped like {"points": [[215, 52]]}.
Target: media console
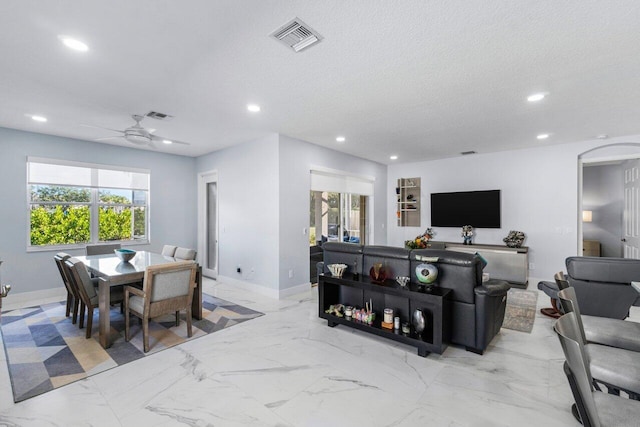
{"points": [[435, 304], [503, 262]]}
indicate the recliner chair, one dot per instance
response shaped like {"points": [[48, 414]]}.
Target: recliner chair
{"points": [[603, 285]]}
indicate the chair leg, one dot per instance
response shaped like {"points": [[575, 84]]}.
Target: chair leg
{"points": [[82, 307], [89, 321], [126, 325], [76, 306], [189, 330], [69, 304], [177, 318], [145, 334]]}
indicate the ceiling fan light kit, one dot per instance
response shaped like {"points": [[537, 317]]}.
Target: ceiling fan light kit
{"points": [[138, 135]]}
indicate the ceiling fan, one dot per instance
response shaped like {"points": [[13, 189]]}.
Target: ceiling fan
{"points": [[138, 135]]}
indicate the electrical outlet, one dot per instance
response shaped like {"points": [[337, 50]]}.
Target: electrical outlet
{"points": [[291, 274], [239, 270], [532, 266]]}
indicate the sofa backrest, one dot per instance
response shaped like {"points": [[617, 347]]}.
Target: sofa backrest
{"points": [[604, 270], [394, 260], [458, 271], [342, 253]]}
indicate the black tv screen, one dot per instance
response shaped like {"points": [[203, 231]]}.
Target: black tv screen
{"points": [[480, 209]]}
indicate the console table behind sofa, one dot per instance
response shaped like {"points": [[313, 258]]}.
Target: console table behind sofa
{"points": [[477, 309]]}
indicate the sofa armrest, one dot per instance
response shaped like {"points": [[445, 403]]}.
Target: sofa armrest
{"points": [[320, 267], [493, 288]]}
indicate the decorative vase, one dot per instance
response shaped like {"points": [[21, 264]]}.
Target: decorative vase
{"points": [[377, 273], [419, 321]]}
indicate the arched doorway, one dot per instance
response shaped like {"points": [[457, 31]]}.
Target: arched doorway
{"points": [[609, 201]]}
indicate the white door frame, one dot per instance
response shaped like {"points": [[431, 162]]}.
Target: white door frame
{"points": [[600, 154], [205, 178]]}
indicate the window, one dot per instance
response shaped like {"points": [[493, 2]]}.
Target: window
{"points": [[72, 204]]}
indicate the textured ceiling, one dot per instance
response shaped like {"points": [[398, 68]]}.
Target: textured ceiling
{"points": [[420, 79]]}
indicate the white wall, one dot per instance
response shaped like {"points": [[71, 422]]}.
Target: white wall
{"points": [[296, 160], [539, 196], [172, 200], [248, 194]]}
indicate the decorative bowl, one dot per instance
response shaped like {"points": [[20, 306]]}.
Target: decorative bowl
{"points": [[337, 269], [125, 255]]}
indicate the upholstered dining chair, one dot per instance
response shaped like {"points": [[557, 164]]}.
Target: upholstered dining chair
{"points": [[593, 407], [602, 330], [185, 254], [87, 291], [167, 288], [618, 369], [102, 249], [72, 294], [169, 250]]}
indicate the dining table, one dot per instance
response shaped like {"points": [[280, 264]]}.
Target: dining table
{"points": [[111, 271]]}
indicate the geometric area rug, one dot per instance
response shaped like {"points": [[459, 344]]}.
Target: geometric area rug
{"points": [[45, 350], [520, 312]]}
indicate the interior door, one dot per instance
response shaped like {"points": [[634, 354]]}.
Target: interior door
{"points": [[631, 238], [208, 223]]}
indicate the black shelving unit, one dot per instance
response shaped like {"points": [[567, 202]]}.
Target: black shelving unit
{"points": [[435, 304]]}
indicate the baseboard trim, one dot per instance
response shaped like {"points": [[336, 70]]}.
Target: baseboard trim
{"points": [[268, 292], [33, 298]]}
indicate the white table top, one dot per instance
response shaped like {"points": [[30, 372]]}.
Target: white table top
{"points": [[109, 265]]}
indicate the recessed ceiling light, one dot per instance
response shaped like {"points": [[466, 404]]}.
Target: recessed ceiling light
{"points": [[39, 118], [254, 108], [535, 97], [74, 44], [394, 157], [543, 136], [341, 139], [167, 141]]}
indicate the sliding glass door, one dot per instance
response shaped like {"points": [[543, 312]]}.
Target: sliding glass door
{"points": [[337, 217]]}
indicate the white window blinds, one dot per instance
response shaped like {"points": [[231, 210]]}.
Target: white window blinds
{"points": [[60, 172], [338, 183]]}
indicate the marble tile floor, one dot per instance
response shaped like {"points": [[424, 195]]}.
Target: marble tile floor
{"points": [[288, 368]]}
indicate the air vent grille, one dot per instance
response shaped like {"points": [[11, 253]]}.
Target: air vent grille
{"points": [[466, 153], [158, 116], [296, 35]]}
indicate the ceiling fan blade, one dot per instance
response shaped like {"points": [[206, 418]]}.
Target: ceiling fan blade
{"points": [[158, 138], [100, 127], [108, 137]]}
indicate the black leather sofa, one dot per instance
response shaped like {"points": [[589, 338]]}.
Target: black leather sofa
{"points": [[477, 308], [603, 284]]}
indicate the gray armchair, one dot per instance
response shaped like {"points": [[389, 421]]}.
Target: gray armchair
{"points": [[603, 285]]}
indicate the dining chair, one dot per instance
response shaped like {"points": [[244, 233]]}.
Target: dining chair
{"points": [[87, 291], [618, 369], [167, 288], [102, 249], [602, 330], [593, 408], [72, 294], [185, 254], [169, 250]]}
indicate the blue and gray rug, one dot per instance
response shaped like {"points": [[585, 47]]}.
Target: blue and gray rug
{"points": [[45, 350]]}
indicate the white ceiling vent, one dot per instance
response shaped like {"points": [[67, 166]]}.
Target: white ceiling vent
{"points": [[158, 116], [297, 35]]}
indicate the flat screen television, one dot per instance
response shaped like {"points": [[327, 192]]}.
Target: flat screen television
{"points": [[480, 209]]}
